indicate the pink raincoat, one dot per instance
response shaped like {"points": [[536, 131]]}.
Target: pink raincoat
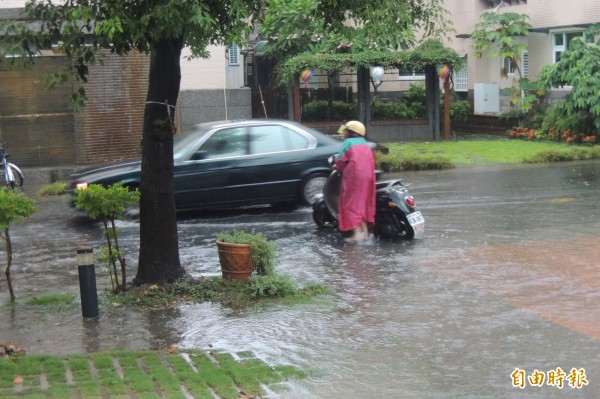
{"points": [[357, 192]]}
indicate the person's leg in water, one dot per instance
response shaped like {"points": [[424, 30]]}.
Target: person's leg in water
{"points": [[360, 232]]}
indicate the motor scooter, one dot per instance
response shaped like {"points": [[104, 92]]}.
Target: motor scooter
{"points": [[395, 211]]}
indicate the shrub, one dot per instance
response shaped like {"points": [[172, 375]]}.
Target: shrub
{"points": [[317, 111], [560, 122], [412, 106], [531, 119], [568, 136], [14, 208], [418, 110], [550, 156], [415, 94], [394, 162], [56, 188], [523, 133], [459, 110], [108, 205], [384, 110], [274, 285]]}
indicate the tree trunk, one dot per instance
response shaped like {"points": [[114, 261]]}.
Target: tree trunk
{"points": [[159, 247], [9, 255]]}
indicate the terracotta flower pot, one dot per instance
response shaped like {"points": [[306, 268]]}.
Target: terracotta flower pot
{"points": [[236, 260]]}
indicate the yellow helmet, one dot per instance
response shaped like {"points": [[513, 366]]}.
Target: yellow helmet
{"points": [[356, 127]]}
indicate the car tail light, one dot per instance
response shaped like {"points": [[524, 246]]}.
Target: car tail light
{"points": [[410, 201]]}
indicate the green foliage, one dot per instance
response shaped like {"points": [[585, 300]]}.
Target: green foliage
{"points": [[15, 207], [152, 374], [578, 67], [214, 289], [429, 53], [56, 188], [120, 26], [390, 110], [274, 285], [416, 98], [459, 110], [315, 111], [497, 35], [531, 119], [108, 205], [54, 303], [562, 155], [556, 122], [51, 299], [295, 27], [264, 252], [523, 133], [102, 203], [415, 94], [81, 29], [485, 150], [412, 105], [394, 162]]}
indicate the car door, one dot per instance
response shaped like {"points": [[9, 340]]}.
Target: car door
{"points": [[273, 169], [208, 179]]}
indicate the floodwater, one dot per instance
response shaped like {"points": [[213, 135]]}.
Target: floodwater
{"points": [[507, 278]]}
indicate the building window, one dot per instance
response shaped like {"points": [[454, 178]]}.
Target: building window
{"points": [[560, 42], [410, 74], [234, 54], [507, 67], [461, 78], [497, 3]]}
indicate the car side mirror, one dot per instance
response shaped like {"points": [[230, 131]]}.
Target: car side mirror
{"points": [[199, 155]]}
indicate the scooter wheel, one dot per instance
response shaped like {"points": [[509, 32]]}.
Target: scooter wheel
{"points": [[321, 215], [388, 227]]}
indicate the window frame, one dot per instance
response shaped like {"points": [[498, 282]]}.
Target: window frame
{"points": [[233, 55], [506, 64], [564, 46]]}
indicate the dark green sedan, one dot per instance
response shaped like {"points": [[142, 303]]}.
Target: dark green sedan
{"points": [[233, 164]]}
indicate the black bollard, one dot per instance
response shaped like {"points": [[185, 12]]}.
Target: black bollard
{"points": [[87, 282]]}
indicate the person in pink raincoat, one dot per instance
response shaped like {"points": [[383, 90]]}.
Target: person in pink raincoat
{"points": [[356, 163]]}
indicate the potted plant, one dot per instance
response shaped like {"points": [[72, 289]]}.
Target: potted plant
{"points": [[241, 253]]}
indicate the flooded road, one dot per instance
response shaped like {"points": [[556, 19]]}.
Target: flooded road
{"points": [[507, 278]]}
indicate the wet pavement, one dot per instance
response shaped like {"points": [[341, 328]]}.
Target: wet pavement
{"points": [[505, 279]]}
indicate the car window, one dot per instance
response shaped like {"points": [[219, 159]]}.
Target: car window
{"points": [[184, 142], [225, 143], [275, 138]]}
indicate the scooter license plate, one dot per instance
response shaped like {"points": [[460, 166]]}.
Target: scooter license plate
{"points": [[417, 221], [415, 218]]}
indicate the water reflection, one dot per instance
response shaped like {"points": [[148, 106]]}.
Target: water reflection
{"points": [[506, 277]]}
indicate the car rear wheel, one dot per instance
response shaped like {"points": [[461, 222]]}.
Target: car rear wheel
{"points": [[312, 188]]}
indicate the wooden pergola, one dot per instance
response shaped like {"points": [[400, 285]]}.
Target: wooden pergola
{"points": [[427, 57]]}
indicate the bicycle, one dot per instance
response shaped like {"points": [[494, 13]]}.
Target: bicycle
{"points": [[11, 174]]}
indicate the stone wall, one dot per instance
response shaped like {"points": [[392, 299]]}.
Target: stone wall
{"points": [[197, 106]]}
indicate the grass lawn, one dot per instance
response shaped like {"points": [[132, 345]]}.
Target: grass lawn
{"points": [[483, 150], [169, 374]]}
